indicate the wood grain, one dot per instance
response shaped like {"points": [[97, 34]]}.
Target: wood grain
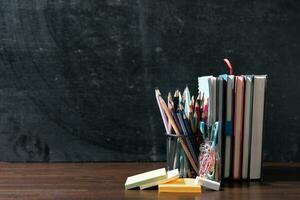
{"points": [[106, 181]]}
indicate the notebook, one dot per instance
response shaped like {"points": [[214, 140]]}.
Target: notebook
{"points": [[203, 86], [257, 125], [247, 125], [221, 89], [212, 112], [238, 126], [207, 85], [228, 124], [180, 185], [145, 178]]}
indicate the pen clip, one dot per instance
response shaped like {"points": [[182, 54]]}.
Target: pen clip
{"points": [[215, 132], [202, 129]]}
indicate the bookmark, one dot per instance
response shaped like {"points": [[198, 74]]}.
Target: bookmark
{"points": [[229, 66]]}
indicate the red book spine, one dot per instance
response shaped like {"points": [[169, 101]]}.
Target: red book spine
{"points": [[234, 124], [241, 129], [235, 128]]}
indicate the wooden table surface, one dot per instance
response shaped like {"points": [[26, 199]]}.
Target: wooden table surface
{"points": [[106, 181]]}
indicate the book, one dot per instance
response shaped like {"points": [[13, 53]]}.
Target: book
{"points": [[207, 85], [227, 155], [180, 185], [221, 100], [171, 176], [145, 178], [259, 88], [238, 127], [203, 88], [247, 125], [212, 112]]}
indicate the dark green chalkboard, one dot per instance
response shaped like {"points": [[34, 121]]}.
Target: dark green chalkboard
{"points": [[77, 77]]}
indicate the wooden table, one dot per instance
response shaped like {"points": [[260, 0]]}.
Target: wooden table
{"points": [[106, 181]]}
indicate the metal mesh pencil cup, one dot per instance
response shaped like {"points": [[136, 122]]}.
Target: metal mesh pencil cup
{"points": [[176, 158]]}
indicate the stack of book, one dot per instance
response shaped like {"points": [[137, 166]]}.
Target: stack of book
{"points": [[237, 103]]}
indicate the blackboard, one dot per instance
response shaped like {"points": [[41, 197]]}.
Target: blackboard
{"points": [[77, 77]]}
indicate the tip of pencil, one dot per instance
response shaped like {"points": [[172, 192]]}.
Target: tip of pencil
{"points": [[157, 92], [176, 93]]}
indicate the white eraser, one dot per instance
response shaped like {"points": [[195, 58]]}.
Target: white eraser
{"points": [[214, 185]]}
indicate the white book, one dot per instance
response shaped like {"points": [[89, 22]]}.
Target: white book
{"points": [[208, 86], [212, 113], [220, 117], [247, 125], [171, 176], [257, 125], [145, 178]]}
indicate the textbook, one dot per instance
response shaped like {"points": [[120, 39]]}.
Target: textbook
{"points": [[171, 176], [145, 178], [180, 185]]}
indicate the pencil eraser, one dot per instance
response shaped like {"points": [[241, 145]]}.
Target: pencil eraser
{"points": [[204, 182]]}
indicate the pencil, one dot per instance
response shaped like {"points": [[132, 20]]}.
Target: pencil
{"points": [[191, 115], [162, 113], [176, 99], [170, 105], [187, 97]]}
